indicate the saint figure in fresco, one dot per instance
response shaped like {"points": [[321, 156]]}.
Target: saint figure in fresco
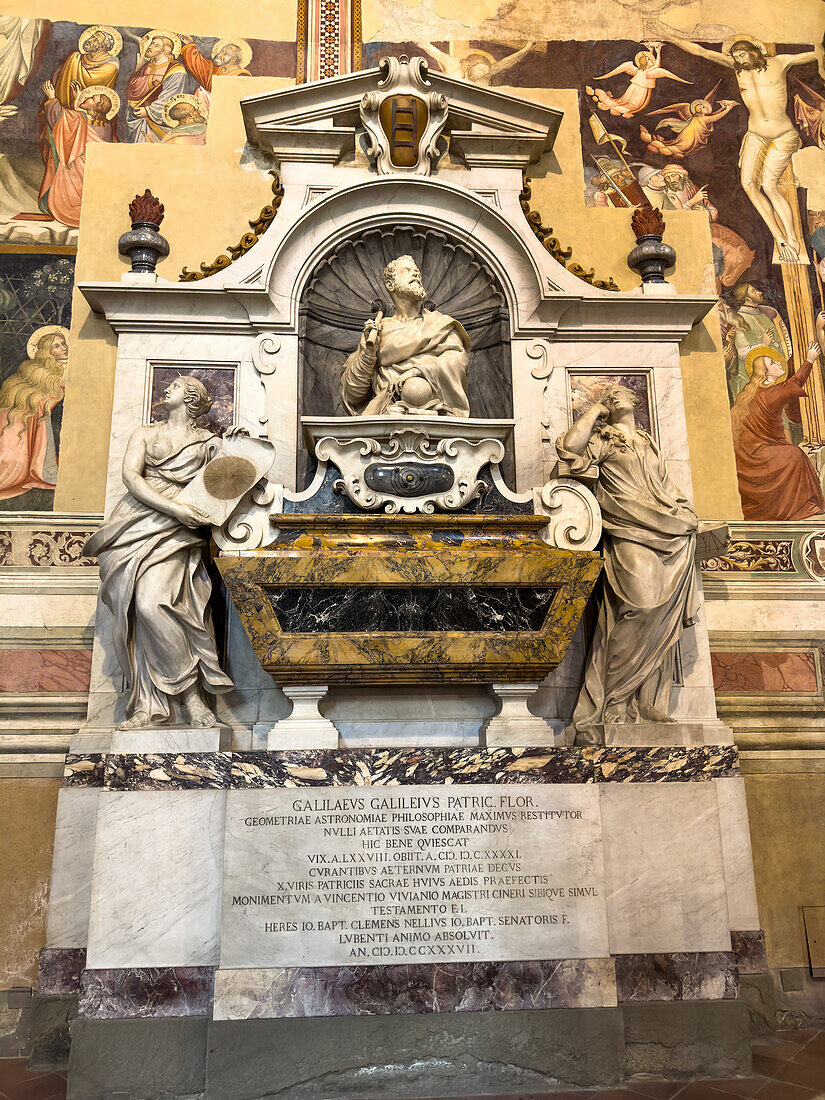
{"points": [[650, 590], [152, 572], [747, 324], [230, 57], [644, 70], [477, 66], [28, 453], [691, 126], [22, 45], [70, 130], [770, 140], [152, 85], [187, 117], [94, 62], [412, 362], [777, 480], [671, 188], [809, 114]]}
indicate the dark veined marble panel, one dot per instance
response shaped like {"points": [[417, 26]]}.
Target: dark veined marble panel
{"points": [[750, 952], [409, 766], [419, 988], [677, 976], [408, 479], [367, 608], [377, 767], [167, 771], [59, 970], [146, 991], [84, 769]]}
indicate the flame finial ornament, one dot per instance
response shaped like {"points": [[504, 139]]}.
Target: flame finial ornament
{"points": [[143, 244], [651, 257]]}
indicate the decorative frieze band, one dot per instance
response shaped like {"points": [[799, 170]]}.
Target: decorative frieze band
{"points": [[383, 767]]}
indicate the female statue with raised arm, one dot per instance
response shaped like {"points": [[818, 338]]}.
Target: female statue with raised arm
{"points": [[152, 574], [650, 591]]}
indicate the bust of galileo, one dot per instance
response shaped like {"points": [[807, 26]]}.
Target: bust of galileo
{"points": [[414, 362]]}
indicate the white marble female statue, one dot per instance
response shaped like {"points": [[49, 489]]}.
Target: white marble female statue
{"points": [[152, 573], [414, 362], [650, 591]]}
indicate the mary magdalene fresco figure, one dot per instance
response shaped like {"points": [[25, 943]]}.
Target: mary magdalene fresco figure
{"points": [[650, 590], [152, 573]]}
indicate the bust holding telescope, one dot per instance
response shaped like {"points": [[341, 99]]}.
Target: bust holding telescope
{"points": [[411, 363]]}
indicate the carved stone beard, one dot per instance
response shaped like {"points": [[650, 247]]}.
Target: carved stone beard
{"points": [[409, 291]]}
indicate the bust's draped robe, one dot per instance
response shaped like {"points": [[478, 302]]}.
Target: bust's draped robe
{"points": [[650, 590], [434, 345], [154, 581]]}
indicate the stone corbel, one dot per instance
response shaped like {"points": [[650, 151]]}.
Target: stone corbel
{"points": [[263, 352], [575, 517], [250, 527], [539, 352]]}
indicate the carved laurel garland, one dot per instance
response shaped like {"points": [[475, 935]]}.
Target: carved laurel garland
{"points": [[259, 226], [554, 246]]}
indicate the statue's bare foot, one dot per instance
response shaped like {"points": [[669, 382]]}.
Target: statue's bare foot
{"points": [[615, 715], [788, 251], [653, 714], [199, 714], [139, 720]]}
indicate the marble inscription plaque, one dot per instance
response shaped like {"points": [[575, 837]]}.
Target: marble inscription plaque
{"points": [[382, 875]]}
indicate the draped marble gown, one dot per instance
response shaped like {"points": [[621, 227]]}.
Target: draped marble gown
{"points": [[153, 579], [650, 589]]}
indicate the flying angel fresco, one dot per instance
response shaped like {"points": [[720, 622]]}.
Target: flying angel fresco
{"points": [[644, 70], [691, 126]]}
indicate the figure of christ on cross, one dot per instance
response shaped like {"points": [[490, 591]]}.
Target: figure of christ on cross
{"points": [[771, 140]]}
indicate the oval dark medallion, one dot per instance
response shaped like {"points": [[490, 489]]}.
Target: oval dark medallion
{"points": [[409, 479]]}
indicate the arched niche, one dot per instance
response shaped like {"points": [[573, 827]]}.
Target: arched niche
{"points": [[346, 288]]}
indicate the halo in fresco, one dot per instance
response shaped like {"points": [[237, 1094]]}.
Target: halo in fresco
{"points": [[36, 336], [184, 97], [243, 46], [113, 31], [173, 37], [99, 89], [732, 39], [767, 353]]}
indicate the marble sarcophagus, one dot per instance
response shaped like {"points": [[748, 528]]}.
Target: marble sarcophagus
{"points": [[425, 598], [408, 559]]}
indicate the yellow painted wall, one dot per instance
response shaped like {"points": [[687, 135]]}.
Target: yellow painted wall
{"points": [[788, 840], [273, 20], [27, 811]]}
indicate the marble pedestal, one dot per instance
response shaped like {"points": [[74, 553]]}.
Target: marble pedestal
{"points": [[515, 724], [305, 727], [654, 925]]}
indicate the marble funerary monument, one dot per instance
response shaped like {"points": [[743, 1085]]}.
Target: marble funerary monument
{"points": [[401, 740]]}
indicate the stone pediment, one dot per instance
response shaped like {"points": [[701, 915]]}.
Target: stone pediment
{"points": [[322, 121]]}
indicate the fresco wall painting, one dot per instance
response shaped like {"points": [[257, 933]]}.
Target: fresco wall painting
{"points": [[64, 86], [666, 120]]}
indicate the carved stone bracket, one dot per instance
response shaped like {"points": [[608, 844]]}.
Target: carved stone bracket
{"points": [[575, 517], [409, 472], [404, 120], [539, 352], [264, 355]]}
